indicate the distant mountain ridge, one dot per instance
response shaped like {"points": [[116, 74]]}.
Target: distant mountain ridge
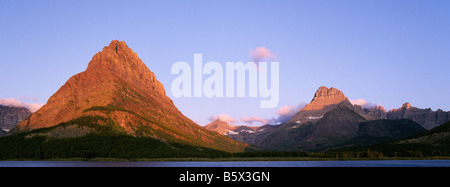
{"points": [[329, 121], [11, 116], [242, 133], [425, 117], [221, 127]]}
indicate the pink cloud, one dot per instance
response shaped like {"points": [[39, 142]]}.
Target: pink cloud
{"points": [[251, 120], [33, 107], [261, 53], [223, 117], [286, 112], [361, 102]]}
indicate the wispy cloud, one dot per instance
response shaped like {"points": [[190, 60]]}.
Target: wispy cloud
{"points": [[363, 103], [253, 120], [223, 117], [33, 107], [249, 121], [286, 112]]}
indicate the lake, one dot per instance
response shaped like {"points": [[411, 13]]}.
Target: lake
{"points": [[352, 163]]}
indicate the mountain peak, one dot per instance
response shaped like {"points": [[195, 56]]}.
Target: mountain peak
{"points": [[381, 108], [406, 106], [116, 54], [220, 127], [120, 60], [118, 47], [324, 97], [327, 92]]}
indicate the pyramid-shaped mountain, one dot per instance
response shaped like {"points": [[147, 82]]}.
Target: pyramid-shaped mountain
{"points": [[118, 86]]}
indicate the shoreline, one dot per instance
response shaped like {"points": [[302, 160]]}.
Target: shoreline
{"points": [[234, 159]]}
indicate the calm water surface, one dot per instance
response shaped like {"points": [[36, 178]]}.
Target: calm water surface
{"points": [[365, 163]]}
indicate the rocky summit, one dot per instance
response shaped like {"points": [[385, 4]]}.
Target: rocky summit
{"points": [[118, 86], [325, 98], [323, 101]]}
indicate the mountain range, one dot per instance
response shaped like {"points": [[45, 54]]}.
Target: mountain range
{"points": [[330, 121], [425, 117], [117, 107]]}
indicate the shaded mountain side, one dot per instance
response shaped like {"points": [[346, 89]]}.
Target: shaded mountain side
{"points": [[251, 135], [284, 138], [435, 142], [118, 86], [335, 128], [437, 136], [2, 132], [11, 116], [377, 111], [377, 131]]}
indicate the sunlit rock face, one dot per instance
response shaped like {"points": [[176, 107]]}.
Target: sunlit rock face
{"points": [[118, 85]]}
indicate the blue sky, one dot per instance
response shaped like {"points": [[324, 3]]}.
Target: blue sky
{"points": [[385, 52]]}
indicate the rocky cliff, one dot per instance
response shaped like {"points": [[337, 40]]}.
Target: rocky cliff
{"points": [[323, 101], [377, 111], [11, 116]]}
